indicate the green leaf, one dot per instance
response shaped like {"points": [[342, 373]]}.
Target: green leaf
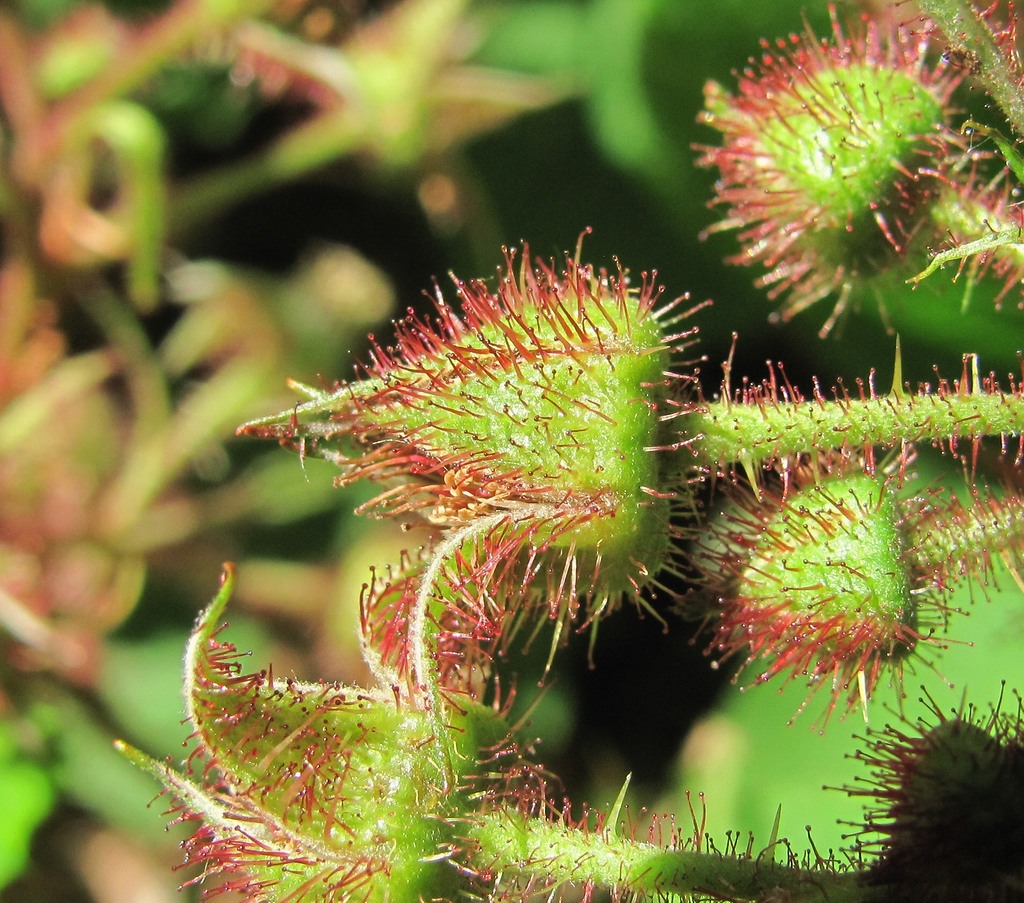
{"points": [[26, 797]]}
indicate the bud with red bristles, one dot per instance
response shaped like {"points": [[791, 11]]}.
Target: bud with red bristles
{"points": [[823, 145], [946, 815], [833, 573], [813, 583], [524, 428]]}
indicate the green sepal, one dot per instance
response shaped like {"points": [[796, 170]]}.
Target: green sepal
{"points": [[315, 790]]}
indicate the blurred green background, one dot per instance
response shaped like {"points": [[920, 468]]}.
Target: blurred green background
{"points": [[200, 200]]}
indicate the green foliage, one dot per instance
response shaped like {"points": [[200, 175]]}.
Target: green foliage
{"points": [[27, 794]]}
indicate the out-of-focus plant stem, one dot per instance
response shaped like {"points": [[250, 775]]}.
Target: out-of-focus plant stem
{"points": [[67, 383], [17, 300], [300, 151], [17, 281], [165, 436]]}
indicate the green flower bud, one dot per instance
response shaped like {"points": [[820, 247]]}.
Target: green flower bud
{"points": [[822, 148], [539, 409], [816, 584], [322, 792]]}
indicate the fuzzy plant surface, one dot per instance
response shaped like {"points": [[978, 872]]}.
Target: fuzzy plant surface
{"points": [[549, 438]]}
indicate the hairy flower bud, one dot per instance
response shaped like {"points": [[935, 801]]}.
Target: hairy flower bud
{"points": [[820, 154], [948, 809], [322, 792], [537, 410], [817, 583]]}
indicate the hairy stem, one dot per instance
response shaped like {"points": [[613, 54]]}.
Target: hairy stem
{"points": [[769, 424], [956, 540], [968, 33], [514, 846]]}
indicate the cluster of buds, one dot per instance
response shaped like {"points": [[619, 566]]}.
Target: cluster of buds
{"points": [[841, 169], [543, 438], [545, 442]]}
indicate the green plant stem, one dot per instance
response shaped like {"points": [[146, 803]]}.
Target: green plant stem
{"points": [[302, 150], [727, 431], [146, 381], [67, 384], [966, 31], [153, 461], [959, 539], [511, 845], [138, 144]]}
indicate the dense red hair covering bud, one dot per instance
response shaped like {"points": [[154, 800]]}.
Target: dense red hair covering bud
{"points": [[821, 148], [530, 427], [815, 583], [946, 808]]}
